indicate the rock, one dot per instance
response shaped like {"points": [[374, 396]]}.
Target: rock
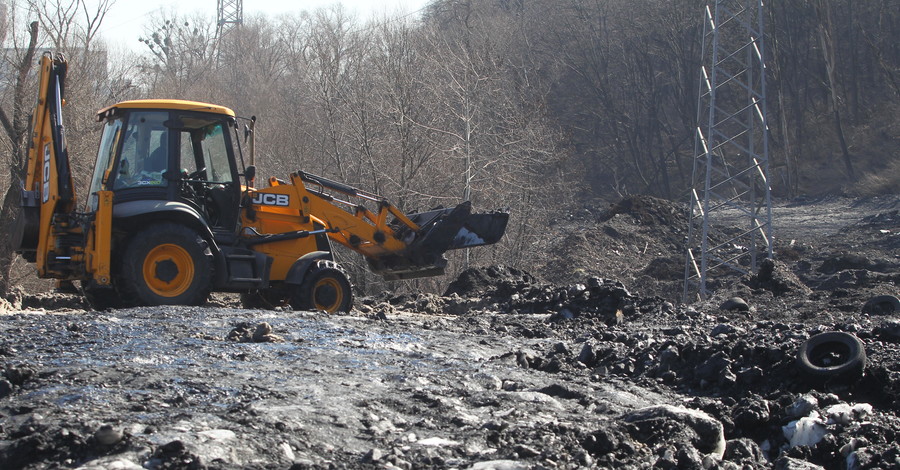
{"points": [[802, 406], [713, 369], [790, 463], [751, 413], [680, 425], [750, 375], [668, 358], [373, 456], [889, 331], [263, 329], [107, 435], [174, 455], [524, 451], [744, 451], [488, 381], [6, 388], [587, 355], [602, 441]]}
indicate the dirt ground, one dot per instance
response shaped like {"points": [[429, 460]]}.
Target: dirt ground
{"points": [[589, 361]]}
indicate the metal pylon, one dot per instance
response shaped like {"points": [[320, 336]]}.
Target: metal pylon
{"points": [[230, 14], [730, 202]]}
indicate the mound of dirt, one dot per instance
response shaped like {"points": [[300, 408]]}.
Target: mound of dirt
{"points": [[777, 278], [647, 210], [493, 281], [637, 241]]}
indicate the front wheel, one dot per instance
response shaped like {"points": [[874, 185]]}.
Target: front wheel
{"points": [[166, 264], [325, 287]]}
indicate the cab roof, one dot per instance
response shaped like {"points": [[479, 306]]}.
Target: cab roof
{"points": [[180, 105]]}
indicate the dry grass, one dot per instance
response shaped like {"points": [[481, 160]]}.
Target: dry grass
{"points": [[878, 183]]}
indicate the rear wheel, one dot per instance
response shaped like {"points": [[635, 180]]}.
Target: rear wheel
{"points": [[325, 287], [166, 264]]}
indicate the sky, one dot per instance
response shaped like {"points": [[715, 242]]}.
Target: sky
{"points": [[126, 19]]}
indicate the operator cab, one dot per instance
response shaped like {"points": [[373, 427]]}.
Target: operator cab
{"points": [[180, 152]]}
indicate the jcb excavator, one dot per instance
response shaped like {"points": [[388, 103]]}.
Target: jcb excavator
{"points": [[173, 214]]}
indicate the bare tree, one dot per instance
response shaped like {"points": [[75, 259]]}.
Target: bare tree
{"points": [[826, 41], [15, 126], [180, 57]]}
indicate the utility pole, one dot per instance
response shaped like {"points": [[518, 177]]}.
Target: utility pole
{"points": [[731, 152]]}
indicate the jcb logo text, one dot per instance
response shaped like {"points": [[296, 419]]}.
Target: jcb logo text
{"points": [[272, 199]]}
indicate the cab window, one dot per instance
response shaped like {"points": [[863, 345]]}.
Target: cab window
{"points": [[210, 151], [144, 156]]}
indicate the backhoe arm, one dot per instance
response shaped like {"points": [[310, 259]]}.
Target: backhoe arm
{"points": [[63, 243], [396, 245], [49, 190]]}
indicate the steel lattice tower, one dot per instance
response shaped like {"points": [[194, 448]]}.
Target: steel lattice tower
{"points": [[230, 13], [731, 165]]}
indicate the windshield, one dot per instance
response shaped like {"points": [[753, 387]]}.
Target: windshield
{"points": [[144, 156]]}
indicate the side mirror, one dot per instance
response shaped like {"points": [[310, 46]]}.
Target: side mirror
{"points": [[250, 174]]}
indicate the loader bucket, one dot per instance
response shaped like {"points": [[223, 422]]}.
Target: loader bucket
{"points": [[440, 230]]}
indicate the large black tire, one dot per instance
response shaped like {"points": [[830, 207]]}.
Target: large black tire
{"points": [[166, 264], [882, 305], [325, 287], [832, 355]]}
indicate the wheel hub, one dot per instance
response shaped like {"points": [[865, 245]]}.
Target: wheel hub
{"points": [[326, 295], [166, 270]]}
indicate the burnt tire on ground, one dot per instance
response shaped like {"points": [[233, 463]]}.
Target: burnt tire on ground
{"points": [[166, 264], [325, 287], [735, 303], [832, 355], [882, 305]]}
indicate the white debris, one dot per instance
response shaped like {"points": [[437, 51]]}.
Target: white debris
{"points": [[218, 434], [438, 442], [806, 431], [844, 413], [288, 452], [500, 465]]}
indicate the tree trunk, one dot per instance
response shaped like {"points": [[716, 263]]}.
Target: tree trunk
{"points": [[8, 212], [825, 38]]}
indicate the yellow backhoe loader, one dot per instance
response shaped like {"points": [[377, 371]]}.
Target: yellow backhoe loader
{"points": [[173, 214]]}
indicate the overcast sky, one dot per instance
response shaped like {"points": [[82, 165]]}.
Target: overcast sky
{"points": [[126, 19]]}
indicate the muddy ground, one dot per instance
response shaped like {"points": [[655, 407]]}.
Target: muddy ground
{"points": [[590, 361]]}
